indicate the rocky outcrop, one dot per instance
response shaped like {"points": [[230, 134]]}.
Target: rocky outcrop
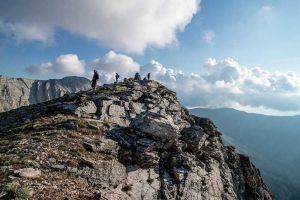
{"points": [[17, 92], [130, 140]]}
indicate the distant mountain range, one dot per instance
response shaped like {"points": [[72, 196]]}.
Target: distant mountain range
{"points": [[272, 142], [17, 92]]}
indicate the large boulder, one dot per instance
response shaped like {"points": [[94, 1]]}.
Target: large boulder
{"points": [[194, 137], [116, 111], [156, 126]]}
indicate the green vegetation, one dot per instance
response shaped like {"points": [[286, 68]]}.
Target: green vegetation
{"points": [[9, 159], [14, 190]]}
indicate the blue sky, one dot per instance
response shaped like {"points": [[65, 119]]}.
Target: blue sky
{"points": [[182, 38], [255, 37]]}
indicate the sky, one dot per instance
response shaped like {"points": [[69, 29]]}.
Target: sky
{"points": [[213, 53]]}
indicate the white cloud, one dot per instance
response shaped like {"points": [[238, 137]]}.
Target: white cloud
{"points": [[68, 64], [226, 83], [208, 36], [130, 25], [111, 63], [27, 31]]}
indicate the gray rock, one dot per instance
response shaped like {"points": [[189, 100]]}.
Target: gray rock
{"points": [[136, 94], [86, 108], [28, 173], [194, 137], [145, 144], [136, 107], [156, 126], [116, 111], [58, 167], [147, 159]]}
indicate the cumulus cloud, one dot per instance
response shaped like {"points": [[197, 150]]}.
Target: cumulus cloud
{"points": [[226, 83], [208, 36], [111, 63], [68, 64], [130, 25]]}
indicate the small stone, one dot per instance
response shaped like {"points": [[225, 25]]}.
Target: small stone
{"points": [[58, 167], [28, 173], [89, 163], [72, 169], [89, 146]]}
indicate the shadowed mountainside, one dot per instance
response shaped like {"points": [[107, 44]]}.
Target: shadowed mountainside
{"points": [[271, 141]]}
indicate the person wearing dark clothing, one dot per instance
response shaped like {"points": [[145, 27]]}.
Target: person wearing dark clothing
{"points": [[94, 80], [148, 76], [117, 77], [137, 77]]}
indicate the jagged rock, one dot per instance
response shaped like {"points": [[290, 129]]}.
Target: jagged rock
{"points": [[116, 111], [136, 107], [156, 126], [147, 159], [145, 144], [28, 172], [87, 108], [144, 183], [194, 137], [129, 140], [108, 172]]}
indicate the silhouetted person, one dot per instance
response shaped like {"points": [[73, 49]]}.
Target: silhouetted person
{"points": [[148, 76], [117, 77], [137, 77], [94, 80]]}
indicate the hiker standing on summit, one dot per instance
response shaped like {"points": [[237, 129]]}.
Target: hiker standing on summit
{"points": [[94, 80], [117, 77]]}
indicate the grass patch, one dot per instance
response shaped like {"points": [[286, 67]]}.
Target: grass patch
{"points": [[77, 152], [14, 190], [9, 159]]}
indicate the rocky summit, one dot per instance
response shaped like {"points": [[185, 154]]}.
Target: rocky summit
{"points": [[130, 140]]}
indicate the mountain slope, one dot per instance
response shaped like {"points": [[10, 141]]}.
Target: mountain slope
{"points": [[271, 141], [130, 140], [16, 92]]}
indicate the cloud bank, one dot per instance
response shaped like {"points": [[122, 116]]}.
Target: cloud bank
{"points": [[68, 64], [130, 25], [224, 83], [227, 83], [111, 63]]}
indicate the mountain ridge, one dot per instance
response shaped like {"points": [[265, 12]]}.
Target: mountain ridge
{"points": [[17, 92], [130, 140]]}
